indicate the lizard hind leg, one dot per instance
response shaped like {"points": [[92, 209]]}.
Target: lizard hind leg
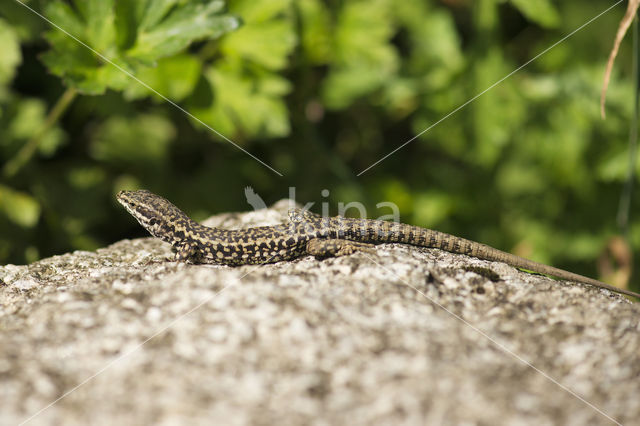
{"points": [[185, 252], [320, 247]]}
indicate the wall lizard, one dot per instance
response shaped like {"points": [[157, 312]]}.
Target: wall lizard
{"points": [[307, 234]]}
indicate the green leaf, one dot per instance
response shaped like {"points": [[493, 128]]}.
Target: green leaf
{"points": [[149, 13], [434, 61], [100, 19], [163, 78], [86, 177], [268, 36], [19, 207], [542, 12], [495, 114], [28, 118], [10, 55], [276, 43], [436, 57], [316, 40], [140, 141], [519, 178], [614, 167], [132, 34], [180, 28], [23, 119], [241, 94], [75, 63], [251, 104], [364, 58], [27, 25], [432, 208], [65, 17], [397, 192]]}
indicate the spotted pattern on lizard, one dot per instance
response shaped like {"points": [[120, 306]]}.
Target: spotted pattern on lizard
{"points": [[307, 234]]}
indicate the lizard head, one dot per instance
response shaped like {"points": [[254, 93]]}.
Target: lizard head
{"points": [[156, 214]]}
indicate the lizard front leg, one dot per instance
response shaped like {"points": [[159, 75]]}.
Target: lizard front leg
{"points": [[331, 247]]}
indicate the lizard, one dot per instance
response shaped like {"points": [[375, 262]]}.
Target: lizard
{"points": [[307, 233]]}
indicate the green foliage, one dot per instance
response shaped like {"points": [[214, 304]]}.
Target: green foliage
{"points": [[133, 143], [18, 207], [319, 90], [162, 78], [131, 34], [362, 57], [542, 12], [10, 57], [247, 91]]}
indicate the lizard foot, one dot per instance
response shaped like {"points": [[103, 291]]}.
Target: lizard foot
{"points": [[185, 252]]}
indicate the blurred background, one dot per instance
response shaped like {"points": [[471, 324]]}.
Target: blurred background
{"points": [[320, 90]]}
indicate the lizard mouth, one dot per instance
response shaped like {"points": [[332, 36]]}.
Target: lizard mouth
{"points": [[139, 212], [126, 204]]}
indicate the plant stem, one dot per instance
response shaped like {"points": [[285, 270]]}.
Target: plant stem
{"points": [[625, 197], [25, 153]]}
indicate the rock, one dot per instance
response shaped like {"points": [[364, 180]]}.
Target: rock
{"points": [[405, 336]]}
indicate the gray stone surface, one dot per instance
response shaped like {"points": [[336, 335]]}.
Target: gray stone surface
{"points": [[406, 336]]}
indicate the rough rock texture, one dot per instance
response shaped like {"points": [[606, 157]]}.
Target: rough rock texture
{"points": [[407, 336]]}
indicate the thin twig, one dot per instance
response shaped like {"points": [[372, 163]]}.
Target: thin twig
{"points": [[28, 149], [632, 8], [625, 197]]}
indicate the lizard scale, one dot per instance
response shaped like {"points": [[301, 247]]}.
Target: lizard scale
{"points": [[307, 234]]}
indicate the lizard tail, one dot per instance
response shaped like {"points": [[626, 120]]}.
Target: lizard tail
{"points": [[390, 232], [490, 253]]}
